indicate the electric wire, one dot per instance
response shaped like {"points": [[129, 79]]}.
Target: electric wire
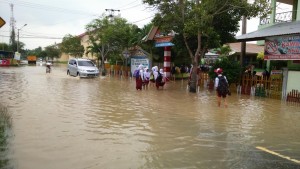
{"points": [[47, 7], [127, 4]]}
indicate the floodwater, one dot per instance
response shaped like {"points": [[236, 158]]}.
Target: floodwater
{"points": [[63, 122]]}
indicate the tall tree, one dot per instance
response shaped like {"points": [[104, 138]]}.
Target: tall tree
{"points": [[4, 46], [72, 46], [204, 24], [109, 36], [52, 51]]}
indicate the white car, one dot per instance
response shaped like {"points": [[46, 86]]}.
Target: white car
{"points": [[82, 68]]}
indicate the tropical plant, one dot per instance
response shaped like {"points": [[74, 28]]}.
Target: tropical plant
{"points": [[52, 51], [72, 46], [231, 69], [108, 36], [204, 24]]}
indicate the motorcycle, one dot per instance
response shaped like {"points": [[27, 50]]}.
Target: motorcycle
{"points": [[48, 67]]}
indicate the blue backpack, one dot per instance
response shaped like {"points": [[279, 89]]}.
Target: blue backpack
{"points": [[136, 73]]}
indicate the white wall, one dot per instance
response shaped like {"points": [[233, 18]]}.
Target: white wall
{"points": [[293, 81]]}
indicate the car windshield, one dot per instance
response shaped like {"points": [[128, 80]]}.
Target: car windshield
{"points": [[85, 63]]}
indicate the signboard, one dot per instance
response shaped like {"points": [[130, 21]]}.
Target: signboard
{"points": [[162, 39], [164, 44], [276, 72], [17, 55], [135, 62], [282, 48], [2, 22], [4, 62]]}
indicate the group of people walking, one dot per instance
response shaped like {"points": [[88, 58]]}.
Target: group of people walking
{"points": [[144, 77]]}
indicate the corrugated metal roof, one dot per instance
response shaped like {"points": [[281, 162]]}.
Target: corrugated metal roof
{"points": [[274, 30]]}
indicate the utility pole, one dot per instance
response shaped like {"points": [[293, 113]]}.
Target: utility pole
{"points": [[111, 12], [18, 37], [243, 44]]}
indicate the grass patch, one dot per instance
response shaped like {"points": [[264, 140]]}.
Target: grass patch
{"points": [[5, 117], [5, 125]]}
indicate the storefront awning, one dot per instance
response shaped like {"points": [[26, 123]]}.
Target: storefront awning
{"points": [[274, 30]]}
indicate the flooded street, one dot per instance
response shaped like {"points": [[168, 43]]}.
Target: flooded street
{"points": [[64, 122]]}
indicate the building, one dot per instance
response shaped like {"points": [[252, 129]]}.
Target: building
{"points": [[279, 32], [85, 43]]}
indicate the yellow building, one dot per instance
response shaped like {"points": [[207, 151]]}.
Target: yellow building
{"points": [[85, 43]]}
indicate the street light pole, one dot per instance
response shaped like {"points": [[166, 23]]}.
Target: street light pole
{"points": [[18, 37]]}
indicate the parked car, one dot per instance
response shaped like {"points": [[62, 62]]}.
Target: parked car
{"points": [[82, 68]]}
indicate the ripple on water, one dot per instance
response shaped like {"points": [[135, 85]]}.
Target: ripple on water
{"points": [[105, 122]]}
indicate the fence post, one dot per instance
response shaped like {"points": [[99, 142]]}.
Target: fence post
{"points": [[285, 74]]}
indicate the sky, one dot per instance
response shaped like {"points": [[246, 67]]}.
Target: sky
{"points": [[48, 21]]}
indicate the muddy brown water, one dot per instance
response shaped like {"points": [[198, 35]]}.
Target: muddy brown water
{"points": [[62, 122]]}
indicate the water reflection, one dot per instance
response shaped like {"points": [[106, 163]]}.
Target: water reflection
{"points": [[67, 122]]}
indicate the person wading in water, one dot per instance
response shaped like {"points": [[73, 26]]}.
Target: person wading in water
{"points": [[221, 85]]}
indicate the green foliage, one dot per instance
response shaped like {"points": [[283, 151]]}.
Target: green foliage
{"points": [[5, 125], [52, 51], [204, 24], [72, 46], [4, 47], [231, 69], [260, 55], [36, 52]]}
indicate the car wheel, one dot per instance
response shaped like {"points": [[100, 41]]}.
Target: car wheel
{"points": [[68, 72], [78, 74]]}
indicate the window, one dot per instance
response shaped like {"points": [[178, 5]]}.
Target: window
{"points": [[85, 63]]}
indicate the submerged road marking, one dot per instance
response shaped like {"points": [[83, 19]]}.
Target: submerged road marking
{"points": [[277, 154]]}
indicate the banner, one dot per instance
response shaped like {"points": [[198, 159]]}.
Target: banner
{"points": [[135, 62], [17, 55], [4, 62], [282, 48]]}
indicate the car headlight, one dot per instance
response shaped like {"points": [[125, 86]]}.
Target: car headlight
{"points": [[81, 70]]}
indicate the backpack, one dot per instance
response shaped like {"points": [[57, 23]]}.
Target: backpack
{"points": [[159, 77], [136, 73], [222, 86]]}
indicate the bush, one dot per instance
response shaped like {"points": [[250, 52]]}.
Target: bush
{"points": [[231, 69]]}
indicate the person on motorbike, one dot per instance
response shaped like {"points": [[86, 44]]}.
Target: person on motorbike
{"points": [[48, 67]]}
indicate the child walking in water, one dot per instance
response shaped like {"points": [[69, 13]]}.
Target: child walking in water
{"points": [[221, 85], [146, 78], [139, 78]]}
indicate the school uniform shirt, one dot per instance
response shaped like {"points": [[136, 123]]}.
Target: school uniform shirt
{"points": [[147, 75], [142, 74], [217, 80]]}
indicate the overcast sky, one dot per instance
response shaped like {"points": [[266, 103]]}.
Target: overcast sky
{"points": [[48, 21]]}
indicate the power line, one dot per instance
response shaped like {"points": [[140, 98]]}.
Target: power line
{"points": [[48, 8], [34, 37], [127, 4], [143, 19], [131, 7]]}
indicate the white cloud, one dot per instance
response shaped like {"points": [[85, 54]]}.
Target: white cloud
{"points": [[53, 19]]}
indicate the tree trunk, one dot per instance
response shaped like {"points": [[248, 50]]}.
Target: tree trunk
{"points": [[194, 75]]}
